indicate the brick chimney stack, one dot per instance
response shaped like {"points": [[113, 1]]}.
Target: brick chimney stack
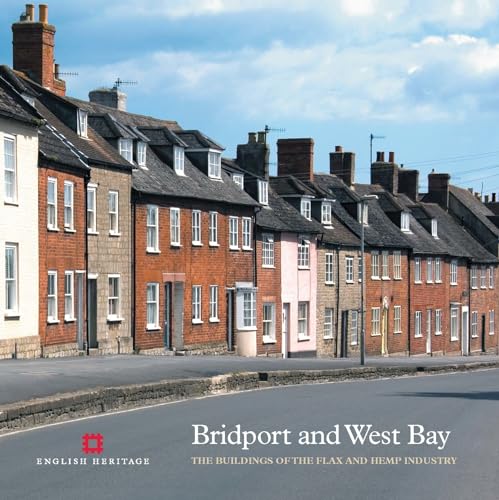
{"points": [[113, 98], [342, 164], [385, 173], [296, 157], [409, 183], [33, 44], [254, 156], [438, 189]]}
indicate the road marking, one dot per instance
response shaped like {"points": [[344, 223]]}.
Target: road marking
{"points": [[233, 393]]}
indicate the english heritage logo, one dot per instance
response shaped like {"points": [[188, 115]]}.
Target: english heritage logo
{"points": [[92, 444]]}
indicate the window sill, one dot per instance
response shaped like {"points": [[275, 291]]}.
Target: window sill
{"points": [[234, 248], [93, 232], [53, 229], [213, 245], [328, 337], [269, 340], [483, 288], [113, 319], [418, 282], [69, 230], [438, 281], [453, 284], [175, 245], [375, 278], [474, 288], [247, 328], [375, 334], [429, 282], [474, 336], [303, 338], [491, 333], [247, 249], [153, 328], [197, 321], [397, 279], [420, 336], [454, 340], [304, 268], [11, 203], [397, 333], [268, 267], [197, 244], [53, 322], [12, 316], [112, 233], [438, 333], [351, 282], [385, 278], [152, 251], [214, 320], [331, 282], [354, 343], [69, 320]]}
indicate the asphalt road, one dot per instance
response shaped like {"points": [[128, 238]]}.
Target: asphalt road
{"points": [[467, 405], [26, 379]]}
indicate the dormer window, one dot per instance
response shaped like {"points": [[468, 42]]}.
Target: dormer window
{"points": [[126, 151], [305, 208], [363, 218], [404, 222], [434, 228], [141, 154], [326, 213], [263, 192], [82, 123], [178, 158], [214, 164], [238, 180]]}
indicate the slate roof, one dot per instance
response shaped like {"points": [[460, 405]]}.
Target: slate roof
{"points": [[290, 185], [13, 106], [197, 140]]}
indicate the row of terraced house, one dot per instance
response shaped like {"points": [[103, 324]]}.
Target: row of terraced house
{"points": [[127, 233]]}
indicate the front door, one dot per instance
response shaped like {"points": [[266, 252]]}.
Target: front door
{"points": [[285, 330], [80, 338], [168, 316], [384, 332], [464, 331], [92, 313], [230, 320], [428, 331], [344, 334], [483, 333]]}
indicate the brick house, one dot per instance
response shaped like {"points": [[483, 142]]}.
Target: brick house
{"points": [[18, 225]]}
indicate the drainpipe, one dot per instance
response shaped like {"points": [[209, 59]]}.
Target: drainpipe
{"points": [[410, 287], [337, 287], [255, 263], [468, 271], [87, 333], [132, 279]]}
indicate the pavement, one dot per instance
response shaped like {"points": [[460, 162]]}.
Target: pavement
{"points": [[464, 404], [24, 380]]}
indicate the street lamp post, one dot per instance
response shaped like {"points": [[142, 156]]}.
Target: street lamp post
{"points": [[362, 278]]}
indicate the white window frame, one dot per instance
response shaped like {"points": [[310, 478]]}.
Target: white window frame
{"points": [[385, 259], [474, 324], [268, 321], [196, 304], [397, 319], [491, 276], [249, 309], [69, 302], [354, 328], [429, 270], [434, 228], [405, 222], [329, 268], [11, 280], [306, 208], [196, 228], [126, 149], [417, 270], [492, 319], [52, 204], [215, 164], [474, 276], [375, 321], [152, 229], [238, 180], [454, 323], [213, 229], [363, 218], [303, 321], [82, 123], [349, 277], [92, 209], [359, 268], [114, 301], [438, 270], [483, 277], [52, 297], [418, 323], [233, 233], [453, 272], [114, 214], [10, 169], [68, 205], [141, 153], [268, 250], [175, 227], [246, 231], [438, 321], [263, 192], [152, 306], [214, 304], [375, 265], [303, 252], [328, 323], [397, 265], [326, 213], [179, 160]]}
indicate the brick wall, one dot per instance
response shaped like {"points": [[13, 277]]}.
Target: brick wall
{"points": [[62, 250]]}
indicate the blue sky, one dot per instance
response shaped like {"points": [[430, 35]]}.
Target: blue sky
{"points": [[423, 73]]}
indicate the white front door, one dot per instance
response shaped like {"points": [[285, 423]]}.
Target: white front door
{"points": [[285, 330], [464, 331], [428, 331]]}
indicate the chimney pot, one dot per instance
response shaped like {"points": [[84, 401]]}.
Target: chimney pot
{"points": [[378, 155], [261, 137], [338, 149], [382, 156], [43, 13], [251, 137], [486, 198], [30, 12], [391, 157], [56, 71], [494, 197]]}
